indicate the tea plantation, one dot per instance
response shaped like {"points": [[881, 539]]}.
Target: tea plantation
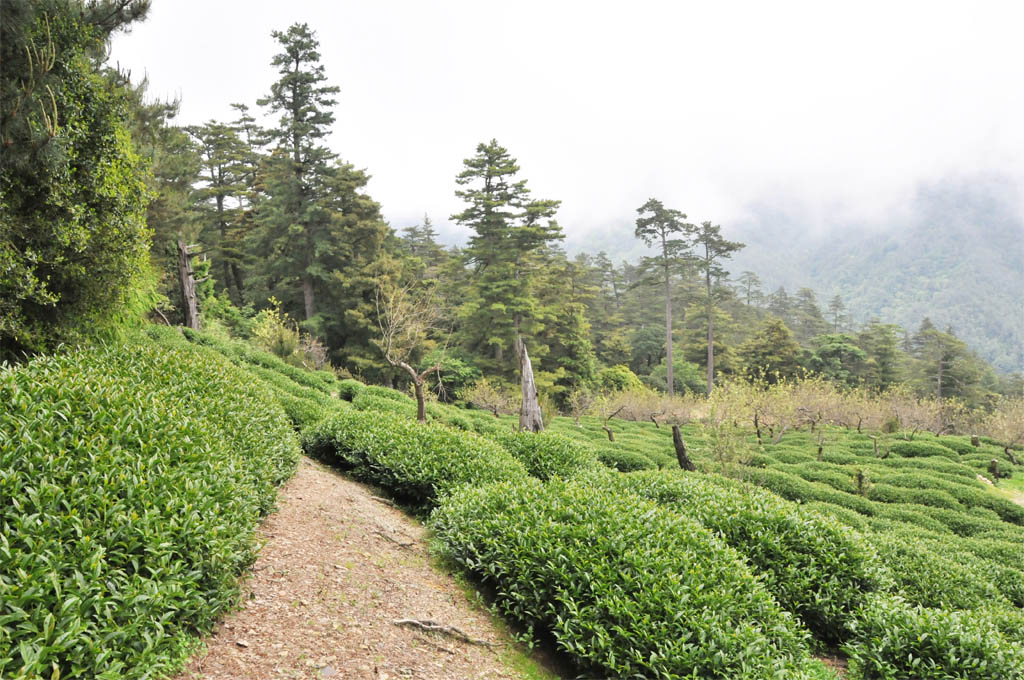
{"points": [[133, 477]]}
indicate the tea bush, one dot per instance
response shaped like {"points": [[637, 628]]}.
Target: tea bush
{"points": [[623, 586], [623, 461], [349, 388], [369, 401], [133, 477], [386, 393], [897, 640], [547, 454], [919, 449], [933, 579], [416, 462], [816, 568]]}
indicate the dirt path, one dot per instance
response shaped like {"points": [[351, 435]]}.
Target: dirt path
{"points": [[338, 569]]}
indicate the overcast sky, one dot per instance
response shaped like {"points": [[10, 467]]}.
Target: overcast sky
{"points": [[830, 111]]}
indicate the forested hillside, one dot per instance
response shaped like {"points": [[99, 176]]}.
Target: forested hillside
{"points": [[956, 255]]}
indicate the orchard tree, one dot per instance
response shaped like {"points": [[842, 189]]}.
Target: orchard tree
{"points": [[711, 249], [409, 318], [667, 230]]}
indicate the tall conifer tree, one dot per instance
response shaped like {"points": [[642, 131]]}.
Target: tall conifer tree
{"points": [[662, 227]]}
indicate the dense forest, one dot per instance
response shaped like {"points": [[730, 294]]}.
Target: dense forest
{"points": [[280, 230]]}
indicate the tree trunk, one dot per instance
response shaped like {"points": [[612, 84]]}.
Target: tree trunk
{"points": [[668, 334], [188, 286], [307, 297], [757, 429], [711, 337], [529, 413], [1010, 456], [608, 431], [677, 441], [975, 441], [993, 468]]}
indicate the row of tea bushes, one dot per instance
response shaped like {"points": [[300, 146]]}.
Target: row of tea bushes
{"points": [[306, 396], [624, 586], [897, 640], [416, 462], [133, 478], [816, 568]]}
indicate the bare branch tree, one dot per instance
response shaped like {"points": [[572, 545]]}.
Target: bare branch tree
{"points": [[407, 318]]}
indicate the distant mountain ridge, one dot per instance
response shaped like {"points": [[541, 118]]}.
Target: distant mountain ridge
{"points": [[957, 258]]}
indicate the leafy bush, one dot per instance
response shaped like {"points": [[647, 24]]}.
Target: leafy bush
{"points": [[932, 579], [133, 478], [919, 449], [896, 640], [625, 587], [348, 389], [794, 488], [386, 393], [416, 462], [370, 401], [623, 461], [816, 568], [886, 493], [547, 454]]}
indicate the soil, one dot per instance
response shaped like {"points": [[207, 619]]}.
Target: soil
{"points": [[338, 569]]}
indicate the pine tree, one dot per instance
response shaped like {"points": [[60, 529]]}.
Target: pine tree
{"points": [[221, 198], [661, 227], [509, 230], [711, 249], [296, 224]]}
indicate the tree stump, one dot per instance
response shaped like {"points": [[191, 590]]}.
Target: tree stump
{"points": [[530, 419], [975, 441], [993, 468], [680, 446]]}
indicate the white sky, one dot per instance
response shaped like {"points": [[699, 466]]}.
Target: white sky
{"points": [[835, 110]]}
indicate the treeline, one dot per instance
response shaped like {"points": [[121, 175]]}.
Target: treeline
{"points": [[291, 249]]}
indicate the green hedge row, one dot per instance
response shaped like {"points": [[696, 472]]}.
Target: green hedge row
{"points": [[416, 462], [816, 568], [625, 587], [897, 640], [547, 455], [133, 478]]}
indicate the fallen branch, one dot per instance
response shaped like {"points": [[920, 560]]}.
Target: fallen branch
{"points": [[435, 627], [400, 544], [385, 501]]}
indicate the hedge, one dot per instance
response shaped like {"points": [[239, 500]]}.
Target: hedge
{"points": [[623, 586], [547, 454], [816, 568], [920, 449], [933, 577], [133, 477], [416, 462], [897, 640], [349, 388]]}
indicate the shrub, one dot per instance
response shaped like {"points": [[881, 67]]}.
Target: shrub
{"points": [[133, 478], [349, 388], [369, 401], [932, 578], [547, 454], [886, 493], [416, 462], [623, 461], [815, 567], [387, 393], [794, 488], [919, 449], [896, 640], [625, 587]]}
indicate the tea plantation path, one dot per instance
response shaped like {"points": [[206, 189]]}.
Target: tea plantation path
{"points": [[337, 570]]}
